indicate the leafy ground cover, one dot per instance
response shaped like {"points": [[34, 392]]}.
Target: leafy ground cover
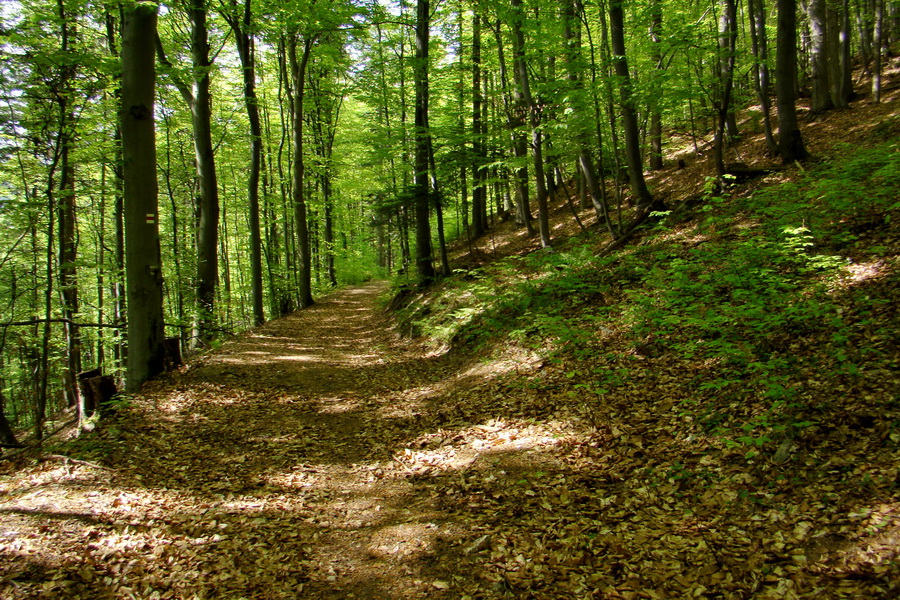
{"points": [[711, 412], [736, 381]]}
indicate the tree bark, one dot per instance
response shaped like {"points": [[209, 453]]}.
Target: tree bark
{"points": [[535, 120], [656, 159], [577, 105], [819, 56], [240, 23], [298, 79], [878, 51], [790, 141], [424, 265], [199, 101], [629, 116], [68, 254], [727, 41], [515, 118], [844, 91], [142, 261], [479, 176], [760, 47]]}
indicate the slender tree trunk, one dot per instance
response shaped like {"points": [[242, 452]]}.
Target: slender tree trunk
{"points": [[790, 141], [760, 46], [199, 101], [844, 93], [629, 116], [208, 230], [863, 25], [479, 176], [298, 78], [143, 268], [68, 255], [535, 120], [727, 41], [515, 119], [819, 56], [878, 51], [424, 266], [656, 159], [240, 23], [438, 211], [7, 435], [579, 118]]}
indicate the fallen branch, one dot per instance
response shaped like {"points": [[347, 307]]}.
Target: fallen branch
{"points": [[38, 443], [627, 235]]}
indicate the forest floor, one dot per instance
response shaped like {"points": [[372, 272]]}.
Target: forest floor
{"points": [[323, 456], [326, 456]]}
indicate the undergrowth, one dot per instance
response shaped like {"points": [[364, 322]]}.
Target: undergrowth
{"points": [[751, 298]]}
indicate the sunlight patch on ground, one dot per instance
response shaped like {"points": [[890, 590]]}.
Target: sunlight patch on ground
{"points": [[298, 358], [456, 450], [403, 541], [337, 404], [877, 545], [858, 273]]}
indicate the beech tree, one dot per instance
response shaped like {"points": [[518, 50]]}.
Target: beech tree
{"points": [[143, 266], [241, 21], [790, 140], [424, 264], [629, 115], [197, 97]]}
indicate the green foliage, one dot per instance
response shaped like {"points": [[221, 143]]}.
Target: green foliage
{"points": [[746, 302]]}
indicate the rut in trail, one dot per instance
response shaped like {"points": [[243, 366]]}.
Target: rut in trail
{"points": [[280, 466]]}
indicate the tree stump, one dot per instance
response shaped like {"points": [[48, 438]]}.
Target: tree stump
{"points": [[97, 390], [172, 347]]}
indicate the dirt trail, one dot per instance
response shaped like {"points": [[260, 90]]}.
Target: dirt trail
{"points": [[277, 467]]}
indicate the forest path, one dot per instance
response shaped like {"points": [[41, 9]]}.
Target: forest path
{"points": [[299, 460]]}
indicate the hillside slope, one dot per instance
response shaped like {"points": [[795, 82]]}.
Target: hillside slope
{"points": [[734, 373]]}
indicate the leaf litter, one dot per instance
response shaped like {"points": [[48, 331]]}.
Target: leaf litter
{"points": [[316, 461]]}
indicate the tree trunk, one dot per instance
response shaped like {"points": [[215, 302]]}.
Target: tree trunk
{"points": [[878, 51], [479, 177], [819, 56], [515, 118], [199, 101], [579, 118], [118, 288], [68, 255], [438, 211], [208, 221], [790, 141], [727, 41], [844, 89], [463, 148], [240, 25], [298, 79], [656, 159], [424, 265], [143, 268], [629, 116], [535, 120], [760, 46]]}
